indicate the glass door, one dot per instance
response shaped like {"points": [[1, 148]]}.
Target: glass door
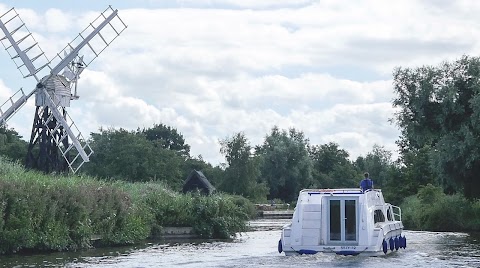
{"points": [[343, 222]]}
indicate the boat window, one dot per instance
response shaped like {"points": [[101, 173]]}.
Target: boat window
{"points": [[335, 220], [378, 216], [389, 214]]}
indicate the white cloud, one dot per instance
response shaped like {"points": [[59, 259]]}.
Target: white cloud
{"points": [[57, 21], [4, 92], [254, 4], [323, 67]]}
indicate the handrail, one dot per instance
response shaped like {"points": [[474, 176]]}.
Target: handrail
{"points": [[398, 214]]}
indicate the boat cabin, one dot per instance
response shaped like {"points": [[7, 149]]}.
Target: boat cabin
{"points": [[341, 220]]}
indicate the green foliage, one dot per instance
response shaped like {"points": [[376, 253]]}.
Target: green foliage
{"points": [[42, 212], [417, 170], [331, 167], [168, 208], [388, 175], [433, 210], [45, 212], [168, 138], [474, 215], [396, 185], [11, 145], [215, 216], [219, 216], [124, 155], [377, 163], [439, 109], [287, 167], [242, 174]]}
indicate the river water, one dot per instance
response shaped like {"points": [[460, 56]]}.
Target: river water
{"points": [[259, 249]]}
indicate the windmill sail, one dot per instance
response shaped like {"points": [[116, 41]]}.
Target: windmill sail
{"points": [[12, 105], [79, 146], [27, 55], [96, 37], [22, 47]]}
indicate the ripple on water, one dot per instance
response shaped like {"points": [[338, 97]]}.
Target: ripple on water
{"points": [[259, 248]]}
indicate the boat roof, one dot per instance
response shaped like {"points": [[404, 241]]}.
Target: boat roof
{"points": [[336, 191]]}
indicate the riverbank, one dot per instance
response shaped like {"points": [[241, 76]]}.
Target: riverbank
{"points": [[60, 213]]}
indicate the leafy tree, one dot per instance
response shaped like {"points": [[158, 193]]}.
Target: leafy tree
{"points": [[417, 170], [120, 154], [242, 172], [287, 166], [12, 145], [377, 163], [387, 174], [167, 137], [439, 108], [396, 186], [332, 168]]}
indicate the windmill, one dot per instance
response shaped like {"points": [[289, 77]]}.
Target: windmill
{"points": [[56, 144]]}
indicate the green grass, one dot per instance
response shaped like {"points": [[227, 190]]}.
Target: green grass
{"points": [[51, 212]]}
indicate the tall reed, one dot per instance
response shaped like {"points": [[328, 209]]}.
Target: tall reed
{"points": [[52, 212]]}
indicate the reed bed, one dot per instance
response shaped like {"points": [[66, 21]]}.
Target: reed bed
{"points": [[55, 213]]}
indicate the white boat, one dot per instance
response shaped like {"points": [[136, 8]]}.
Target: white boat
{"points": [[343, 221]]}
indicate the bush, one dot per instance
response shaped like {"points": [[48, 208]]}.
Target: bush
{"points": [[215, 216], [474, 215], [218, 216], [244, 205], [433, 210]]}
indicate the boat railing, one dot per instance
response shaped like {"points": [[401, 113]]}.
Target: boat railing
{"points": [[338, 191], [397, 213]]}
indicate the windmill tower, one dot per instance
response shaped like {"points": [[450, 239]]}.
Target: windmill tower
{"points": [[56, 144]]}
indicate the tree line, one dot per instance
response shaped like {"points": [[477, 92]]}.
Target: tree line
{"points": [[438, 113], [279, 168]]}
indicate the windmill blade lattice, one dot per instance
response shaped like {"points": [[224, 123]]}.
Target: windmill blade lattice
{"points": [[79, 151], [27, 55], [92, 41], [22, 47], [12, 105]]}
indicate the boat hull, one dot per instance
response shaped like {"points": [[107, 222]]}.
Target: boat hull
{"points": [[392, 242], [343, 222]]}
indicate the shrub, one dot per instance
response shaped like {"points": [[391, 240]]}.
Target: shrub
{"points": [[474, 215], [218, 216], [215, 216], [433, 210]]}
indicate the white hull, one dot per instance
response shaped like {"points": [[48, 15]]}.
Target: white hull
{"points": [[344, 222]]}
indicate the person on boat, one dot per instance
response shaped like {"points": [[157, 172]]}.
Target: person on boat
{"points": [[366, 183]]}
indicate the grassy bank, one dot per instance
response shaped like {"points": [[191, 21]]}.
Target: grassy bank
{"points": [[433, 210], [46, 212]]}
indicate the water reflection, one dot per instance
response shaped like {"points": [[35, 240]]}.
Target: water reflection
{"points": [[259, 248]]}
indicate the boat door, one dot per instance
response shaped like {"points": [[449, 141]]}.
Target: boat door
{"points": [[342, 220]]}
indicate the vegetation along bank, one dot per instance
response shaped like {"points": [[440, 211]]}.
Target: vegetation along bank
{"points": [[46, 212]]}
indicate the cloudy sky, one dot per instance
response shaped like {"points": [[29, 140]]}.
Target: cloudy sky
{"points": [[212, 68]]}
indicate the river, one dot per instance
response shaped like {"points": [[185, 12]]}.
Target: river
{"points": [[258, 248]]}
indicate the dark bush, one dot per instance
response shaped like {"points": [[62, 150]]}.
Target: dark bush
{"points": [[433, 210]]}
